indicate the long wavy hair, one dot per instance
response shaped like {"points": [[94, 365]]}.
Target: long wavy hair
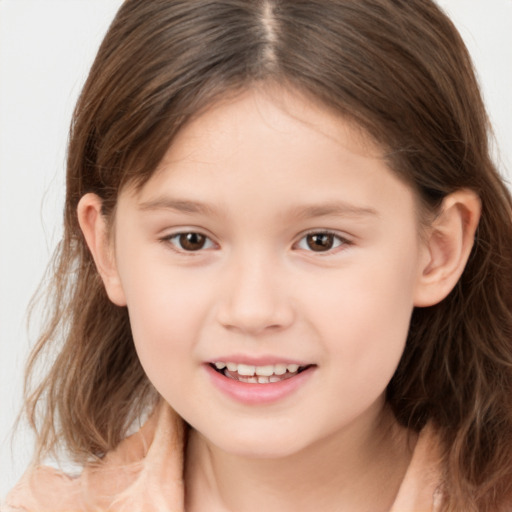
{"points": [[400, 71]]}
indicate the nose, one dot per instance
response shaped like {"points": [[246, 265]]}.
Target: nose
{"points": [[255, 298]]}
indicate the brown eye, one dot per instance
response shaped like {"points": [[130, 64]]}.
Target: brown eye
{"points": [[190, 242], [321, 242]]}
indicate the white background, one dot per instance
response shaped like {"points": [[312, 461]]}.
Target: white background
{"points": [[46, 48]]}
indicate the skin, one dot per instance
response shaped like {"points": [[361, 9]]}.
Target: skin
{"points": [[255, 175]]}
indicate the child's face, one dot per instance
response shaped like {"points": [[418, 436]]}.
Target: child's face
{"points": [[303, 248]]}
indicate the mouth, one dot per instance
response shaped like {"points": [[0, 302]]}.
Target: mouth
{"points": [[252, 374]]}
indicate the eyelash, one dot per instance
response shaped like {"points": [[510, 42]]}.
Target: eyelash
{"points": [[176, 242], [341, 241], [177, 236]]}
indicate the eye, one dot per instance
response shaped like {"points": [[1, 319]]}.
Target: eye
{"points": [[322, 241], [189, 242]]}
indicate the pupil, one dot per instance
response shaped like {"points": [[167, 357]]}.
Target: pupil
{"points": [[192, 241], [320, 242]]}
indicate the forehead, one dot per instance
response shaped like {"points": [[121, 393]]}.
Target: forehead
{"points": [[271, 149], [270, 116]]}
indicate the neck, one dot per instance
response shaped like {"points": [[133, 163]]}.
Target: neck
{"points": [[357, 470]]}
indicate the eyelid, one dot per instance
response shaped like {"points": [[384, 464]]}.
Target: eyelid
{"points": [[343, 239], [167, 239]]}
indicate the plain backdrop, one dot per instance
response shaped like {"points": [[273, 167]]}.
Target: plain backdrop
{"points": [[46, 48]]}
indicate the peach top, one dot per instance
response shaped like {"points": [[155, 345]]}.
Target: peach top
{"points": [[145, 473]]}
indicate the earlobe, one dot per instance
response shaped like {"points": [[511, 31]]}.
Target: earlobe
{"points": [[95, 230], [448, 246]]}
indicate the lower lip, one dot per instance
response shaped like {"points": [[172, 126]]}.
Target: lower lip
{"points": [[255, 394]]}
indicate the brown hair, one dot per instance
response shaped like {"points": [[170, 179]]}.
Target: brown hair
{"points": [[400, 70]]}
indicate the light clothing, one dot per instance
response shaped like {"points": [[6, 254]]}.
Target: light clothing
{"points": [[145, 474]]}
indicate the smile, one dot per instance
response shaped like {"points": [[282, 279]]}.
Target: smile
{"points": [[252, 374], [259, 384]]}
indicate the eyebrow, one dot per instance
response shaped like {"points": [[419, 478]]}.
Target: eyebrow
{"points": [[334, 208], [179, 205], [331, 208]]}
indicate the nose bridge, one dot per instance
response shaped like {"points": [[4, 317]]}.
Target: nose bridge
{"points": [[255, 297]]}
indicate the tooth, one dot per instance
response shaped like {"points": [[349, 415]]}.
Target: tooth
{"points": [[265, 371], [274, 379], [263, 380], [280, 369], [252, 380], [245, 369]]}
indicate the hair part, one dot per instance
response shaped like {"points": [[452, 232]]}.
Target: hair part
{"points": [[396, 68]]}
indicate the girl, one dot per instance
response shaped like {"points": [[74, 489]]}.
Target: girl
{"points": [[286, 246]]}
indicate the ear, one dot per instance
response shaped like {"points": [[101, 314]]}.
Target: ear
{"points": [[448, 246], [94, 227]]}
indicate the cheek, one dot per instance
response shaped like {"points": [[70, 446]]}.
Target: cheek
{"points": [[165, 331], [369, 333], [363, 316], [166, 309]]}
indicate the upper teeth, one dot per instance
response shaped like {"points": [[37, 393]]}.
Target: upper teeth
{"points": [[264, 371]]}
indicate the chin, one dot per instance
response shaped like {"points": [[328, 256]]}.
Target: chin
{"points": [[259, 445]]}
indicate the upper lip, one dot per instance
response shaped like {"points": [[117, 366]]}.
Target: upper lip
{"points": [[258, 360]]}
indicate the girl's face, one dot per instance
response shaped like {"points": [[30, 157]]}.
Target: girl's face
{"points": [[272, 236]]}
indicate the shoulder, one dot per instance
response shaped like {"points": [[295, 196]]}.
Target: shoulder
{"points": [[43, 489], [149, 459]]}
